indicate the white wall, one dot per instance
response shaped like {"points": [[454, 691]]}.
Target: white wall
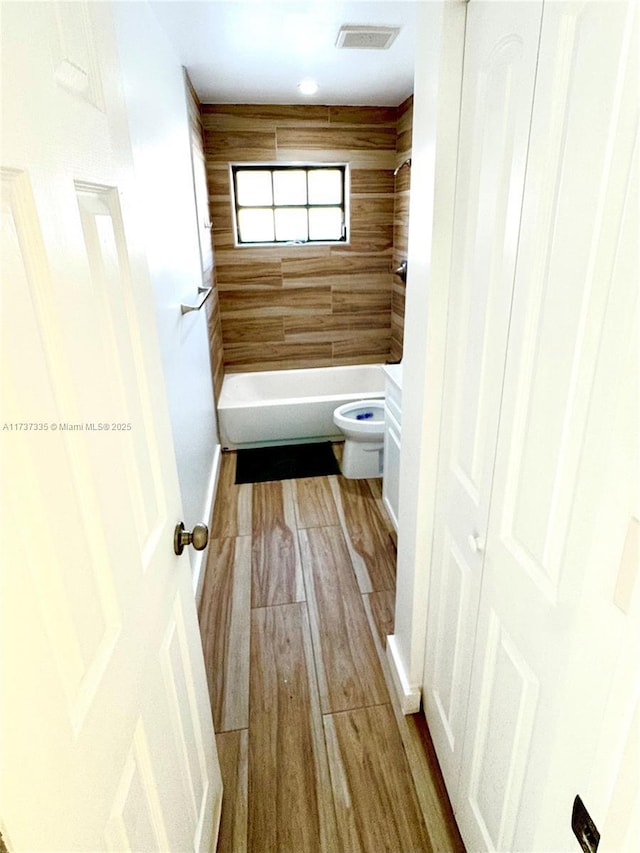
{"points": [[159, 128], [438, 78]]}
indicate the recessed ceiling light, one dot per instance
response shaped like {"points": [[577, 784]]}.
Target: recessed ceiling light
{"points": [[308, 87]]}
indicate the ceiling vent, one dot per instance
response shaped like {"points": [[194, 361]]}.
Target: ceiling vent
{"points": [[366, 37]]}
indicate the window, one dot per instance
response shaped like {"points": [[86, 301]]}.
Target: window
{"points": [[289, 204]]}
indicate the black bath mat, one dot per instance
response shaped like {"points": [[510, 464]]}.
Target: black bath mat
{"points": [[285, 462]]}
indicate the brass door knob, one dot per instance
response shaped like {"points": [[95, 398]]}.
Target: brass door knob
{"points": [[198, 537]]}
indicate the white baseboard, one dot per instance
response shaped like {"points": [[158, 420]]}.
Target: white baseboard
{"points": [[198, 558], [409, 697]]}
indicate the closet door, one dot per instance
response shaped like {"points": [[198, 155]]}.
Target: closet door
{"points": [[533, 723], [499, 70]]}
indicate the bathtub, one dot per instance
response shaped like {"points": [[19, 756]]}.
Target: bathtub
{"points": [[289, 406]]}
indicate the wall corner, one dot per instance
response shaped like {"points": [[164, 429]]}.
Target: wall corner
{"points": [[408, 696]]}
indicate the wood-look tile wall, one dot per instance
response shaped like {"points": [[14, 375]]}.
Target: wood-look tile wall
{"points": [[208, 268], [307, 306], [401, 224]]}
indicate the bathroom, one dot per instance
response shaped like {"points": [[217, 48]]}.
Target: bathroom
{"points": [[310, 306], [321, 312], [420, 342], [503, 615]]}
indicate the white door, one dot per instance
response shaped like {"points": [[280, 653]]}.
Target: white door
{"points": [[541, 679], [107, 739], [499, 70]]}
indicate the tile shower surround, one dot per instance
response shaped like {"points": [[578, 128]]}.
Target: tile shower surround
{"points": [[310, 306]]}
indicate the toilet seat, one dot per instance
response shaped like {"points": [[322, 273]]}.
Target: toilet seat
{"points": [[361, 420]]}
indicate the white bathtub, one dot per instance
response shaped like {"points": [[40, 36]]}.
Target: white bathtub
{"points": [[288, 406]]}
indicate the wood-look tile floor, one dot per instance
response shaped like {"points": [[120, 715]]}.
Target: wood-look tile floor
{"points": [[297, 602]]}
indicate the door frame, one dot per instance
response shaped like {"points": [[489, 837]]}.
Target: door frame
{"points": [[440, 31]]}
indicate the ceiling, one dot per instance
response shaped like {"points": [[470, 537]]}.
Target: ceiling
{"points": [[257, 51]]}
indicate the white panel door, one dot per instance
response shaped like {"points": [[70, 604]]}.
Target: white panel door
{"points": [[107, 739], [499, 70], [566, 407]]}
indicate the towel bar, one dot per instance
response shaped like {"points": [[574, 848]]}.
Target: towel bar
{"points": [[184, 309]]}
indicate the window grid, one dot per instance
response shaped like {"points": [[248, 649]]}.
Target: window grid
{"points": [[273, 169]]}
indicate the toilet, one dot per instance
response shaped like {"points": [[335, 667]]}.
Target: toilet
{"points": [[362, 423]]}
